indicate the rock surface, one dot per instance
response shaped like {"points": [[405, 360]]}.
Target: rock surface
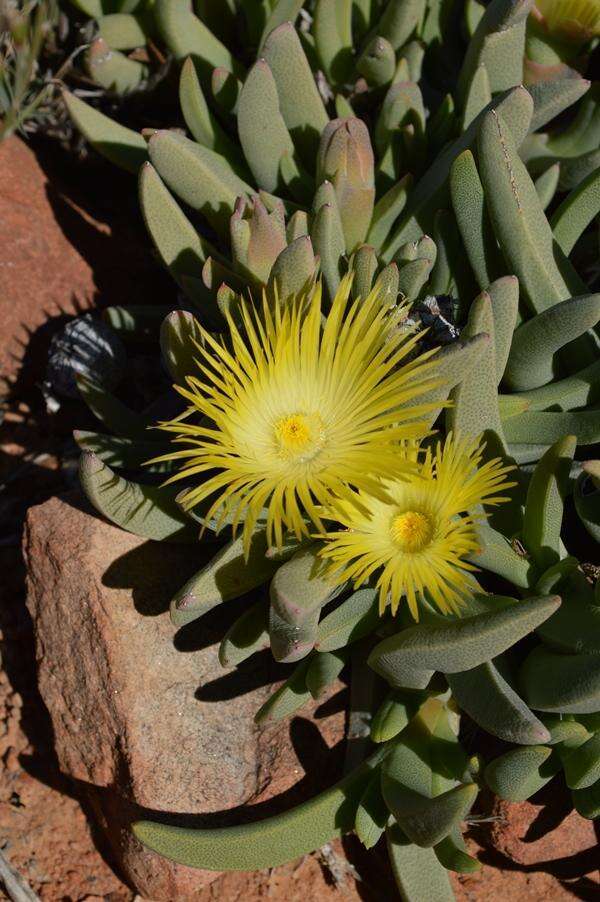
{"points": [[138, 721]]}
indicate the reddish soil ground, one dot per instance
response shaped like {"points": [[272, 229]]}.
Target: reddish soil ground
{"points": [[72, 237]]}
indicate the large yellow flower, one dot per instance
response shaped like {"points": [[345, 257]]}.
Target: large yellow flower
{"points": [[577, 20], [298, 409], [419, 537]]}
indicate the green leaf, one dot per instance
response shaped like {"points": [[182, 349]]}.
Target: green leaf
{"points": [[493, 704], [122, 31], [186, 35], [408, 658], [427, 821], [399, 21], [578, 390], [546, 427], [451, 852], [478, 95], [454, 363], [576, 212], [587, 503], [499, 45], [115, 415], [547, 490], [295, 268], [300, 103], [200, 121], [351, 620], [332, 30], [418, 873], [136, 322], [122, 146], [372, 814], [180, 334], [180, 247], [328, 241], [268, 842], [518, 774], [394, 714], [582, 764], [226, 576], [552, 97], [547, 183], [498, 556], [386, 211], [377, 62], [565, 684], [122, 453], [532, 361], [291, 642], [587, 801], [247, 635], [300, 588], [290, 696], [324, 669], [148, 511], [199, 176], [468, 202], [113, 70], [504, 297], [363, 264]]}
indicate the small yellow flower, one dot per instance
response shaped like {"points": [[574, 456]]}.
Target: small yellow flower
{"points": [[298, 409], [577, 20], [419, 537]]}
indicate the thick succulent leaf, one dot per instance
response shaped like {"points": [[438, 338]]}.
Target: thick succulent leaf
{"points": [[565, 684], [300, 588], [200, 121], [247, 635], [282, 11], [578, 390], [587, 801], [364, 265], [329, 244], [112, 70], [399, 20], [295, 268], [454, 363], [519, 222], [552, 97], [387, 210], [546, 493], [291, 642], [300, 103], [377, 62], [199, 176], [180, 247], [451, 852], [582, 764], [532, 361], [325, 667], [587, 503], [288, 698], [372, 814], [226, 576], [180, 333], [427, 821], [545, 427], [122, 146], [412, 276], [332, 30], [468, 202], [148, 511], [493, 704], [499, 556], [477, 95], [122, 31], [475, 408], [582, 135], [268, 842], [519, 773], [136, 322], [418, 873], [122, 453], [429, 195], [546, 184], [458, 644], [394, 714], [186, 35], [576, 212], [115, 415], [504, 297], [499, 45], [263, 134], [351, 620]]}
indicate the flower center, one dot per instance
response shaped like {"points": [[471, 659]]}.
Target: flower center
{"points": [[299, 435], [411, 531]]}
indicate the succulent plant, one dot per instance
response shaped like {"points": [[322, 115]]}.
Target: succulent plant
{"points": [[337, 153]]}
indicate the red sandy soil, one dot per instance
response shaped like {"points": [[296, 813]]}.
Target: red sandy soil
{"points": [[71, 237]]}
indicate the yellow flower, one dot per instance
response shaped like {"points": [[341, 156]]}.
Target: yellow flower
{"points": [[299, 408], [417, 539], [577, 20]]}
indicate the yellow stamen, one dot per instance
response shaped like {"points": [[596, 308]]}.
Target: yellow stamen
{"points": [[299, 435], [411, 531]]}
